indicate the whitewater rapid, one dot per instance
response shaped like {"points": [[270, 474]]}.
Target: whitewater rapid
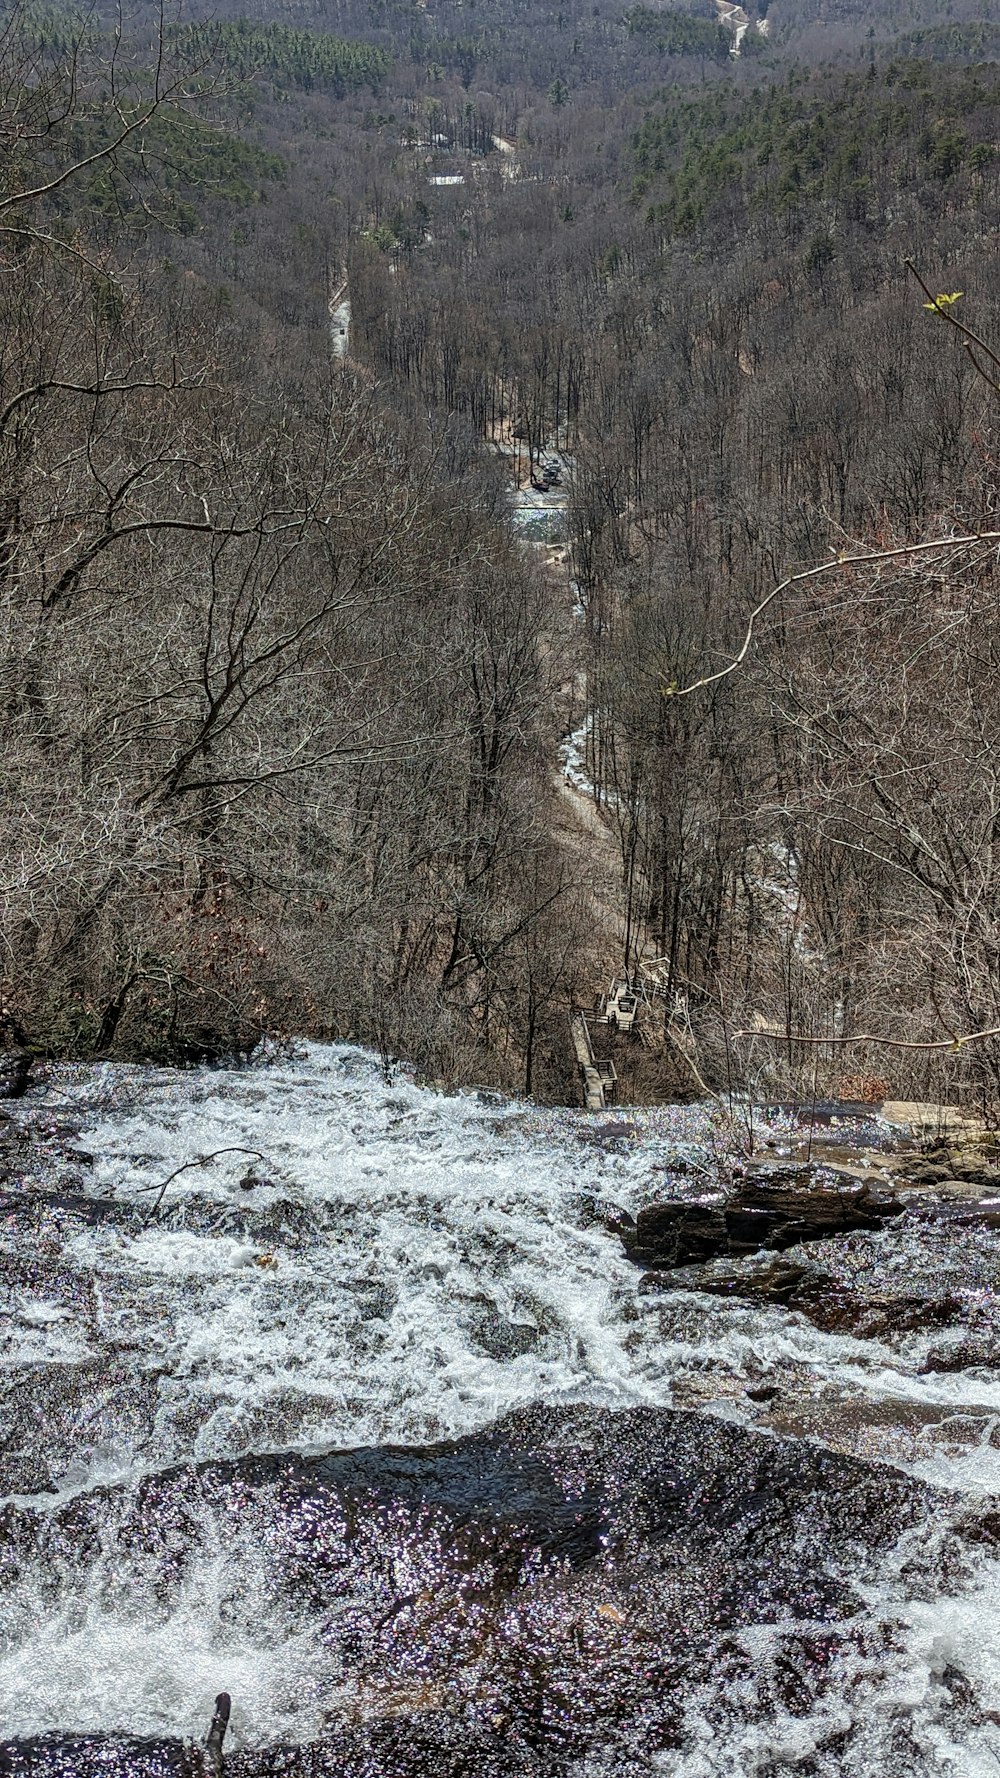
{"points": [[399, 1265], [344, 1258]]}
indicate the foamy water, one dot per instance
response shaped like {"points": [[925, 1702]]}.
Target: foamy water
{"points": [[373, 1263]]}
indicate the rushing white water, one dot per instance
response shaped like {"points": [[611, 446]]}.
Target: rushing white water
{"points": [[356, 1260], [405, 1265], [573, 757]]}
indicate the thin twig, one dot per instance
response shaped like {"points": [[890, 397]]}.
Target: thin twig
{"points": [[200, 1160], [971, 339]]}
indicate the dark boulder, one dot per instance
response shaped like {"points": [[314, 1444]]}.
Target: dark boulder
{"points": [[773, 1208], [929, 1173], [783, 1282], [979, 1349], [677, 1234], [591, 1564], [15, 1073], [968, 1164]]}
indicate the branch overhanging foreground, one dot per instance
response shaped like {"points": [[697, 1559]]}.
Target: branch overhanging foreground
{"points": [[866, 559], [956, 1042], [971, 341]]}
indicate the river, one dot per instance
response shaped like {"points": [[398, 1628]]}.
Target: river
{"points": [[367, 1420]]}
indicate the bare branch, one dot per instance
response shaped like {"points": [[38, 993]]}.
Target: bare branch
{"points": [[806, 574], [971, 339], [891, 1043]]}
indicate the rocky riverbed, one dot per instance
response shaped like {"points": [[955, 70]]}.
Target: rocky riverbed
{"points": [[347, 1399]]}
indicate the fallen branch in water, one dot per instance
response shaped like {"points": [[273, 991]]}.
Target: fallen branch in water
{"points": [[212, 1761], [200, 1160]]}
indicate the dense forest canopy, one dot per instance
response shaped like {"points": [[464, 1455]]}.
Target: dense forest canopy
{"points": [[300, 58], [282, 686]]}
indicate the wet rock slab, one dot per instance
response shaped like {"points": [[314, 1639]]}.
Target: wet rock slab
{"points": [[515, 1599], [430, 1746], [927, 1274], [40, 1418], [830, 1301]]}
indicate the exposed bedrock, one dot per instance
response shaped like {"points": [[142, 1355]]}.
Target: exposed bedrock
{"points": [[773, 1208], [497, 1604], [847, 1259]]}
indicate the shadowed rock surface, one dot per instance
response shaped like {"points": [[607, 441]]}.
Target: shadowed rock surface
{"points": [[522, 1595], [15, 1073], [429, 1746]]}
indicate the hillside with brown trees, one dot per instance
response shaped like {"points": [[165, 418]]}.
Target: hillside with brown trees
{"points": [[284, 685]]}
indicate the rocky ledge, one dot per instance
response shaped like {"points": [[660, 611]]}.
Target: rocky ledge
{"points": [[773, 1207], [837, 1245]]}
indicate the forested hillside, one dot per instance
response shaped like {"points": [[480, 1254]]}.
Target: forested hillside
{"points": [[283, 688]]}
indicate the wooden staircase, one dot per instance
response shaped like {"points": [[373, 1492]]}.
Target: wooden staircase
{"points": [[597, 1077]]}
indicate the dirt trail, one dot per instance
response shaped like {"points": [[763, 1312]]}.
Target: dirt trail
{"points": [[591, 853], [585, 836]]}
